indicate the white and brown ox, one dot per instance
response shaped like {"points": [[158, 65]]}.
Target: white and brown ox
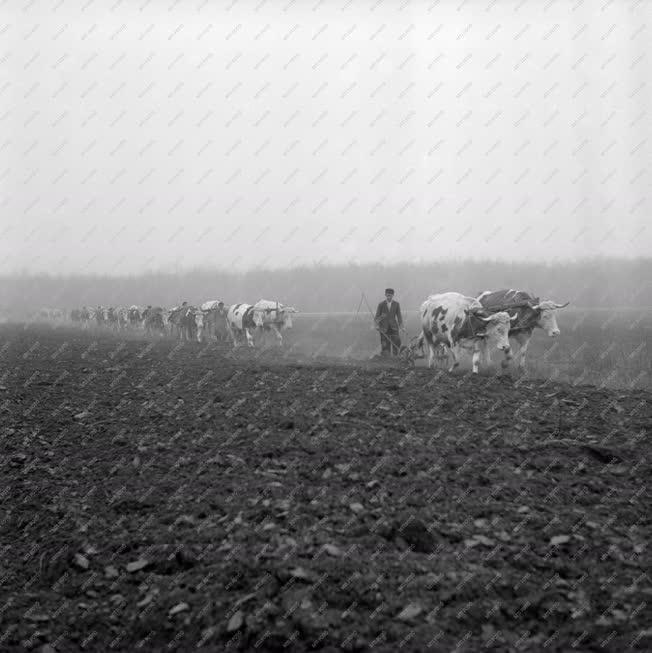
{"points": [[265, 315], [240, 323], [530, 312], [460, 322]]}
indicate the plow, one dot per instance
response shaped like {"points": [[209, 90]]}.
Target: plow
{"points": [[416, 350]]}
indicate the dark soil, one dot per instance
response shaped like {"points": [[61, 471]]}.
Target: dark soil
{"points": [[167, 497]]}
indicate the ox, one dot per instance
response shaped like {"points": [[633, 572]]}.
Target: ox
{"points": [[239, 322], [153, 320], [459, 322], [268, 315], [100, 315], [168, 326], [187, 321], [111, 318], [171, 320], [530, 313], [123, 318], [198, 321], [134, 316]]}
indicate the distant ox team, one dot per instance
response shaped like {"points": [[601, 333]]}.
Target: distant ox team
{"points": [[449, 323], [211, 321]]}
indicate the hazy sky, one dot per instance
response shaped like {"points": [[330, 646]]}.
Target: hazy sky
{"points": [[146, 135]]}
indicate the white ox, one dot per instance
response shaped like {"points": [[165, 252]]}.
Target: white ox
{"points": [[531, 313], [273, 316], [459, 322], [245, 319]]}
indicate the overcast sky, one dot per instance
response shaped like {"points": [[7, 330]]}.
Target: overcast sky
{"points": [[153, 135]]}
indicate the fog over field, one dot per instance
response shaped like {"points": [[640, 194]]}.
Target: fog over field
{"points": [[607, 284], [160, 136]]}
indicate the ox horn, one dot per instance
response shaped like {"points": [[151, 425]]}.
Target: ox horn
{"points": [[484, 319], [562, 305], [513, 317]]}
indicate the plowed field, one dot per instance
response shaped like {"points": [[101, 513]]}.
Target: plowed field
{"points": [[167, 497]]}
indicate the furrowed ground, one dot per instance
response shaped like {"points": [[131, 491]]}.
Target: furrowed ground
{"points": [[160, 496]]}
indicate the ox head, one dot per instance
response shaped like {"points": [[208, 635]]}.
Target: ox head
{"points": [[547, 312], [281, 315], [497, 328]]}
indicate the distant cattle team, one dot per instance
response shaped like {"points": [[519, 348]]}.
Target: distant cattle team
{"points": [[212, 321], [449, 322]]}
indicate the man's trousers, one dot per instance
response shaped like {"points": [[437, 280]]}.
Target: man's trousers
{"points": [[390, 343]]}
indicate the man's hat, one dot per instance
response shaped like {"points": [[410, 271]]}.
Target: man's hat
{"points": [[389, 290]]}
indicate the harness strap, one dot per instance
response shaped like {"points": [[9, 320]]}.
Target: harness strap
{"points": [[473, 333]]}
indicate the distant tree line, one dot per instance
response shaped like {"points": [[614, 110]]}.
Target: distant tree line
{"points": [[601, 283]]}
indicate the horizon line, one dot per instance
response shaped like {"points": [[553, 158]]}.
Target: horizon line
{"points": [[206, 269]]}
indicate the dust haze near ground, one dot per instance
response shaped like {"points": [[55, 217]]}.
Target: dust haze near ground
{"points": [[606, 331]]}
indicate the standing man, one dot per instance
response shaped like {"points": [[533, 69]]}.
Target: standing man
{"points": [[388, 322], [221, 329]]}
